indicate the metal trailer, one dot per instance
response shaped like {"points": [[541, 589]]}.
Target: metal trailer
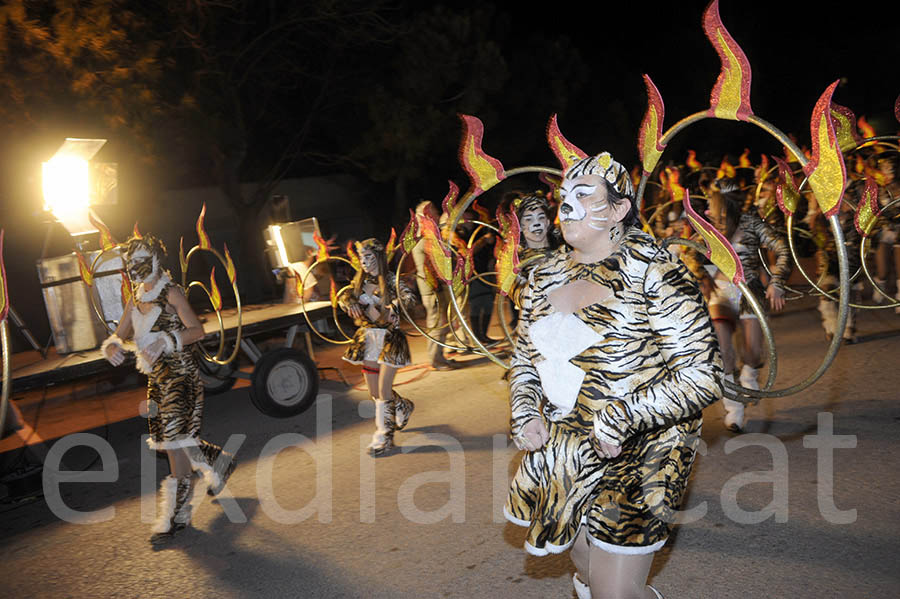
{"points": [[284, 381]]}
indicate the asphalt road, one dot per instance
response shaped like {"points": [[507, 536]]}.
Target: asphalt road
{"points": [[308, 514]]}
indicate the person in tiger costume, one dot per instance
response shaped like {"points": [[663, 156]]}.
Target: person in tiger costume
{"points": [[747, 233], [538, 237], [163, 326], [615, 359], [379, 346]]}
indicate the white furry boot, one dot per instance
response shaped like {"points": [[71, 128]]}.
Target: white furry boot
{"points": [[878, 298], [750, 377], [828, 310], [734, 411], [175, 507], [383, 439]]}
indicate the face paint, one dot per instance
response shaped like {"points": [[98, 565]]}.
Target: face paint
{"points": [[589, 210], [534, 227], [141, 265], [369, 261]]}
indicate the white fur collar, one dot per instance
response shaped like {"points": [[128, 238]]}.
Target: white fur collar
{"points": [[148, 295]]}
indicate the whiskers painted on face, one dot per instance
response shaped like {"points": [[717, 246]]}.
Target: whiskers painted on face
{"points": [[598, 205]]}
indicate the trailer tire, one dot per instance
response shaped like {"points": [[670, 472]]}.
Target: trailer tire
{"points": [[216, 378], [285, 383]]}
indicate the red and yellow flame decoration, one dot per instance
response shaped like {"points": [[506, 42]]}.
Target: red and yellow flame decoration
{"points": [[182, 259], [650, 134], [483, 215], [875, 174], [230, 270], [353, 256], [462, 272], [859, 165], [787, 194], [867, 129], [673, 184], [332, 294], [730, 97], [391, 246], [127, 295], [436, 250], [215, 298], [84, 268], [483, 170], [201, 230], [506, 251], [692, 161], [719, 251], [136, 232], [409, 236], [450, 206], [4, 293], [726, 170], [763, 168], [744, 159], [825, 170], [844, 122], [565, 151], [106, 239], [321, 247], [868, 210]]}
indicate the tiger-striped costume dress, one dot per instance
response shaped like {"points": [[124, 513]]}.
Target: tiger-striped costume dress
{"points": [[380, 340], [751, 234], [648, 362], [174, 389]]}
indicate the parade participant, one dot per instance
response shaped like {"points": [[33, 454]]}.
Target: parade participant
{"points": [[379, 345], [827, 266], [163, 326], [889, 236], [615, 359], [435, 301], [539, 237], [747, 233]]}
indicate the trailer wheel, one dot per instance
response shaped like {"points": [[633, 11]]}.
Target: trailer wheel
{"points": [[216, 378], [285, 383]]}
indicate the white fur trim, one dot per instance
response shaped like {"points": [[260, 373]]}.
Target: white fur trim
{"points": [[167, 490], [148, 295], [626, 549], [582, 591], [210, 476], [179, 341], [559, 337], [144, 322], [513, 519], [168, 339], [175, 444], [531, 549], [109, 341]]}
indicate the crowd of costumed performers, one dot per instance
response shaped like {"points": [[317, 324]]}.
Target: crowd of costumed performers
{"points": [[615, 297]]}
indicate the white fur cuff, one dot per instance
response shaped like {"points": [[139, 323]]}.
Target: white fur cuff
{"points": [[112, 339]]}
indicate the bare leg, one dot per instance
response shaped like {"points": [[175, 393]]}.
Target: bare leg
{"points": [[179, 462], [617, 576], [753, 342], [386, 381], [372, 378]]}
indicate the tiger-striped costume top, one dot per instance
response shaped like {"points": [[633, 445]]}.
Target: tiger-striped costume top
{"points": [[650, 362], [173, 385], [754, 233], [659, 359], [394, 346]]}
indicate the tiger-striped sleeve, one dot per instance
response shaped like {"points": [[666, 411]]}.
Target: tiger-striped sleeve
{"points": [[524, 383], [770, 239], [679, 326], [405, 294], [347, 299]]}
